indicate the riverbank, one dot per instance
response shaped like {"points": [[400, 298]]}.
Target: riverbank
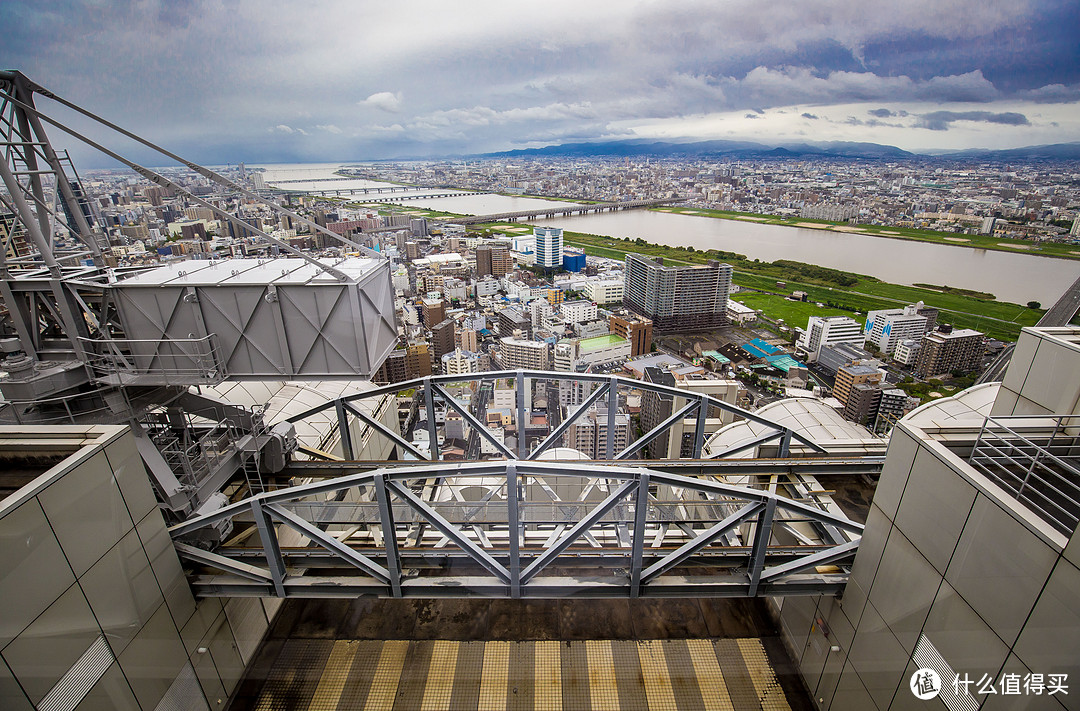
{"points": [[997, 244], [840, 292]]}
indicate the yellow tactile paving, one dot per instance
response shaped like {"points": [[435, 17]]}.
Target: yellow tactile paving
{"points": [[493, 682], [437, 675], [762, 676], [602, 689], [334, 675], [440, 677], [548, 685], [654, 673], [385, 683], [709, 677]]}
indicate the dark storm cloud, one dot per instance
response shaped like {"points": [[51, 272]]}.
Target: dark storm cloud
{"points": [[881, 113], [352, 81], [940, 120]]}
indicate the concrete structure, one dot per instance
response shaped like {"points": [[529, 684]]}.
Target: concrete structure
{"points": [[962, 570], [740, 313], [442, 338], [636, 330], [418, 360], [493, 259], [460, 362], [826, 331], [849, 376], [944, 351], [577, 311], [573, 260], [433, 311], [588, 435], [549, 247], [907, 351], [832, 357], [518, 353], [887, 328], [677, 298], [513, 319], [605, 291], [570, 355]]}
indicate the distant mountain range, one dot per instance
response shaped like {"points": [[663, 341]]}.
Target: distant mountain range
{"points": [[750, 149]]}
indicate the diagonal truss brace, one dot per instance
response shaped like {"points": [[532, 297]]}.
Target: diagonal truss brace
{"points": [[705, 538], [329, 542], [384, 430], [556, 434], [660, 429], [481, 429], [450, 531], [243, 570], [824, 557], [579, 528]]}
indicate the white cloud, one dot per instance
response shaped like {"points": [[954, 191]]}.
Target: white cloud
{"points": [[384, 101]]}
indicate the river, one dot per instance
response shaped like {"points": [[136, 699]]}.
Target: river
{"points": [[1018, 278]]}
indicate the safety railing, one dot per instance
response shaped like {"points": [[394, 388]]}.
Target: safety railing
{"points": [[1036, 460]]}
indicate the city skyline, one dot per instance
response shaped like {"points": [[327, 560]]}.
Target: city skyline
{"points": [[241, 82]]}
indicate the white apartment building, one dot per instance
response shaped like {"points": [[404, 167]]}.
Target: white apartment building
{"points": [[888, 327], [519, 354], [828, 330], [606, 291], [460, 362], [578, 311]]}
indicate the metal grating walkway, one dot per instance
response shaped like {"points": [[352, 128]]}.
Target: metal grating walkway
{"points": [[675, 675]]}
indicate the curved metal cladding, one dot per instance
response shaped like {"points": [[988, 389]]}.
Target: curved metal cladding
{"points": [[265, 318]]}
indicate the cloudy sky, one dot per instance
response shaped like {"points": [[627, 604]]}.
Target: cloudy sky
{"points": [[224, 81]]}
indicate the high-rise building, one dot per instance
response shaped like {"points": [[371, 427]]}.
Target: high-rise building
{"points": [[549, 247], [468, 340], [512, 319], [827, 331], [635, 329], [948, 349], [460, 362], [588, 434], [442, 338], [517, 353], [393, 369], [417, 361], [483, 260], [863, 402], [434, 311], [493, 259], [684, 298], [848, 376], [888, 327]]}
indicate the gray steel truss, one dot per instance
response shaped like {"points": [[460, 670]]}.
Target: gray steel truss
{"points": [[632, 532], [698, 407]]}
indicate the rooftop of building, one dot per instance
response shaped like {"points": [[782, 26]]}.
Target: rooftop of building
{"points": [[955, 333], [810, 417], [859, 369], [595, 343], [280, 272]]}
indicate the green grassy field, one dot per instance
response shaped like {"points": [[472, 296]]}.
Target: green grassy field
{"points": [[997, 244], [997, 319], [793, 313], [842, 292]]}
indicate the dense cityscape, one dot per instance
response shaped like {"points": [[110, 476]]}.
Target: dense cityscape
{"points": [[539, 357]]}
